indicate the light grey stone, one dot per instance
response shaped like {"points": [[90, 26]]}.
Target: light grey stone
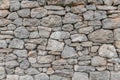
{"points": [[117, 44], [24, 13], [108, 2], [30, 46], [20, 53], [100, 15], [71, 18], [46, 59], [24, 64], [32, 71], [10, 57], [3, 13], [14, 5], [78, 37], [67, 27], [78, 9], [53, 7], [95, 1], [38, 12], [26, 77], [88, 15], [11, 27], [101, 36], [52, 21], [16, 43], [13, 16], [4, 4], [4, 22], [116, 2], [29, 4], [62, 12], [12, 77], [68, 52], [80, 76], [2, 73], [55, 45], [99, 7], [34, 34], [56, 77], [85, 30], [115, 75], [12, 64], [95, 23], [107, 50], [117, 34], [3, 44], [18, 22], [21, 32], [41, 76], [91, 7]]}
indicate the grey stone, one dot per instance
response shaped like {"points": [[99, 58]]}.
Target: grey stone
{"points": [[104, 75], [10, 57], [12, 64], [108, 2], [14, 5], [18, 22], [56, 77], [88, 15], [78, 37], [26, 77], [24, 13], [67, 27], [80, 76], [2, 73], [60, 35], [101, 36], [32, 71], [20, 53], [117, 44], [29, 4], [98, 61], [99, 7], [85, 30], [95, 1], [13, 16], [12, 77], [115, 75], [4, 4], [24, 64], [38, 12], [46, 59], [100, 15], [62, 12], [21, 32], [55, 45], [3, 44], [68, 52], [11, 27], [91, 7], [30, 46], [117, 34], [95, 23], [71, 18], [53, 7], [3, 13], [41, 76], [116, 2], [34, 34], [52, 21], [4, 22], [16, 43], [107, 50]]}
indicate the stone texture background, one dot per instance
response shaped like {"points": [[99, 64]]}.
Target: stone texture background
{"points": [[60, 40]]}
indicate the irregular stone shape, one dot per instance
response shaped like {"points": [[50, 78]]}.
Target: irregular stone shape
{"points": [[60, 35], [85, 30], [95, 1], [53, 7], [104, 75], [110, 23], [115, 75], [52, 21], [78, 37], [24, 64], [18, 22], [24, 12], [14, 5], [56, 77], [44, 31], [62, 12], [71, 18], [116, 2], [98, 61], [2, 73], [34, 34], [13, 16], [107, 50], [41, 76], [3, 13], [68, 52], [88, 15], [117, 44], [91, 7], [12, 77], [29, 4], [4, 4], [16, 43], [38, 12], [117, 34], [55, 45], [3, 44], [80, 76], [12, 64], [67, 27], [46, 59], [108, 2], [26, 77], [21, 32], [106, 7], [20, 53], [4, 22], [100, 15], [101, 36], [32, 71]]}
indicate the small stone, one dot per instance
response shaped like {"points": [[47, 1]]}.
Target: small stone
{"points": [[41, 76], [29, 4], [46, 59], [52, 7], [18, 22], [50, 71], [34, 34], [98, 61], [14, 5], [78, 37], [107, 50], [94, 48], [32, 71], [116, 2], [71, 18], [106, 7], [4, 22], [52, 21], [117, 34], [117, 44], [68, 52], [67, 27], [4, 4], [12, 64], [85, 30], [80, 76], [2, 73], [87, 44], [60, 35], [62, 12], [55, 45], [42, 53], [20, 53], [38, 12], [16, 43], [24, 12], [94, 23], [115, 75], [3, 13], [88, 15], [12, 77], [56, 77], [13, 16], [24, 64], [26, 77], [3, 44], [101, 36], [91, 7], [11, 27]]}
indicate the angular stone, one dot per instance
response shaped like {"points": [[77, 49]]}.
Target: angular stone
{"points": [[87, 44], [108, 2], [29, 4], [46, 59], [107, 50], [71, 18], [60, 35], [12, 77], [68, 52], [55, 45], [98, 61], [104, 75], [110, 23], [4, 4], [44, 31], [13, 16], [41, 76], [62, 12], [14, 5], [24, 12], [20, 53], [53, 7], [3, 13], [80, 76], [117, 34], [34, 34], [21, 32], [100, 15], [3, 44], [18, 22], [88, 15], [67, 27], [38, 12], [101, 36], [16, 43], [4, 22], [56, 77], [78, 37], [12, 64], [115, 75], [106, 7], [2, 73], [95, 1], [24, 64], [26, 77], [91, 7], [32, 71], [52, 21], [85, 30]]}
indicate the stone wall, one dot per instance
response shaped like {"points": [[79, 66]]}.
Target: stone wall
{"points": [[60, 40]]}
